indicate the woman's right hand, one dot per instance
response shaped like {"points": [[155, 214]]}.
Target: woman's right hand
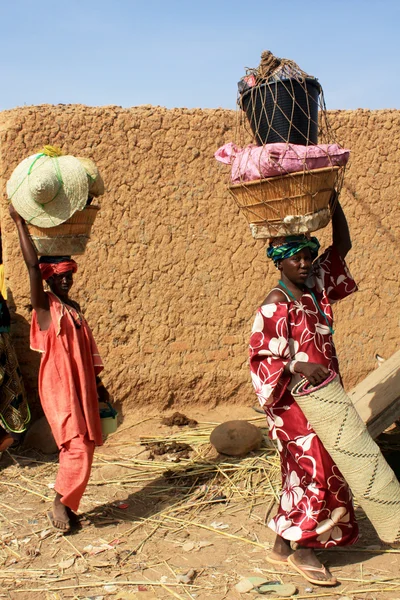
{"points": [[14, 215], [313, 372]]}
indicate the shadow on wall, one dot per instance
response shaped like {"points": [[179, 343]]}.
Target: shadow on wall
{"points": [[384, 404], [373, 217]]}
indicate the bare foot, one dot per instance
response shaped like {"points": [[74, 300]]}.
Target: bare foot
{"points": [[305, 562], [280, 551], [59, 516]]}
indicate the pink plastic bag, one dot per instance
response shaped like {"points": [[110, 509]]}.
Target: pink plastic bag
{"points": [[259, 162]]}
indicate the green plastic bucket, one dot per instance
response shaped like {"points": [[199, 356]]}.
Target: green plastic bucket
{"points": [[108, 418]]}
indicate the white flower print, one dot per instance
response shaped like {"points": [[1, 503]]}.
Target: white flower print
{"points": [[280, 524], [279, 346], [292, 493], [322, 329], [329, 528], [263, 390], [268, 310], [305, 441], [284, 527], [310, 510], [258, 324], [294, 534]]}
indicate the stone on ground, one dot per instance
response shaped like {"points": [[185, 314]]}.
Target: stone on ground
{"points": [[236, 438]]}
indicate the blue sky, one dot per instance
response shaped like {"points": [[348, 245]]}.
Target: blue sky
{"points": [[191, 53]]}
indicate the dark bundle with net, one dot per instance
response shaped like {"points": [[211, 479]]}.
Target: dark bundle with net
{"points": [[286, 179]]}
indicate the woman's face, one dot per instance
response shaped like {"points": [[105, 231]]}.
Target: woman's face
{"points": [[297, 268], [61, 284]]}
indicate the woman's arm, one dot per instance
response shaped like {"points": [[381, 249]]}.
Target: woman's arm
{"points": [[313, 372], [39, 299], [340, 229]]}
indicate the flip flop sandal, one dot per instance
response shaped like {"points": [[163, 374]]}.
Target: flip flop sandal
{"points": [[53, 524], [304, 569], [276, 561]]}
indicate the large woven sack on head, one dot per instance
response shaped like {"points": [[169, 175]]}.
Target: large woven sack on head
{"points": [[236, 438], [332, 415], [95, 180]]}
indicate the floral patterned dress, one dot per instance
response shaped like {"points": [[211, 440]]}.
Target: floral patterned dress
{"points": [[316, 507]]}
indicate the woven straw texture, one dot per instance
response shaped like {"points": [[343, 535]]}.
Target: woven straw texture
{"points": [[271, 202], [344, 435], [69, 238], [46, 190], [95, 180], [291, 225], [66, 245]]}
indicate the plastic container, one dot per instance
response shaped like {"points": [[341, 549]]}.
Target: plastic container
{"points": [[108, 418], [285, 110]]}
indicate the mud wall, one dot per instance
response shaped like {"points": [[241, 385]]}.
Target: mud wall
{"points": [[171, 277]]}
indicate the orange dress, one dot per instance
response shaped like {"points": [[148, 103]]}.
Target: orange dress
{"points": [[67, 375]]}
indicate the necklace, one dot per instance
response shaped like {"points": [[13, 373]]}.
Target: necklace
{"points": [[282, 284]]}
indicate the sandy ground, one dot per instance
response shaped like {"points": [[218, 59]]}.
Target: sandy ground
{"points": [[140, 536]]}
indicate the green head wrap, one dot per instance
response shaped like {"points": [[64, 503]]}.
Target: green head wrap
{"points": [[286, 247]]}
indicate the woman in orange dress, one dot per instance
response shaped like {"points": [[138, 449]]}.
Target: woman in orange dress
{"points": [[69, 365]]}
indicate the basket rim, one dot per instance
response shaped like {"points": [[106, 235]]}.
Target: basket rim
{"points": [[91, 206], [295, 175]]}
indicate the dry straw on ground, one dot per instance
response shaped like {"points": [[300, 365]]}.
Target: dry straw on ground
{"points": [[202, 507]]}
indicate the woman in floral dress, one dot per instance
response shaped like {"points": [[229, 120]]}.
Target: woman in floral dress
{"points": [[292, 338]]}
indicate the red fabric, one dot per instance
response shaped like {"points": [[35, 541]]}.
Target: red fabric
{"points": [[75, 458], [67, 375], [316, 508], [50, 269]]}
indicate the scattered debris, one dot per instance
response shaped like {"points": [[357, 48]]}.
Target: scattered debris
{"points": [[110, 588], [187, 577], [264, 586], [219, 525], [66, 563], [244, 586], [122, 505], [188, 546], [196, 546], [178, 419], [153, 521], [93, 550], [180, 450]]}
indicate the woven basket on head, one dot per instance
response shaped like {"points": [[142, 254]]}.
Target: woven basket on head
{"points": [[69, 238], [340, 428], [274, 203]]}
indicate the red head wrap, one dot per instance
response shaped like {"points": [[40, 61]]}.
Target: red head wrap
{"points": [[50, 269]]}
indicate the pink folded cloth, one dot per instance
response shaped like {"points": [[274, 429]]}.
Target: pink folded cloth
{"points": [[258, 162]]}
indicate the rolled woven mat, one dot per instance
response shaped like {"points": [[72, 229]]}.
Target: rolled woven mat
{"points": [[331, 413]]}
